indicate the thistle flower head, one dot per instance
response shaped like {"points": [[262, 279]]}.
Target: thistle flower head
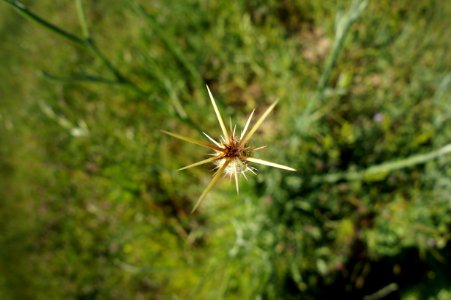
{"points": [[232, 154]]}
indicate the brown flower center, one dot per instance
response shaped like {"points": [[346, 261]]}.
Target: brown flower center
{"points": [[235, 150]]}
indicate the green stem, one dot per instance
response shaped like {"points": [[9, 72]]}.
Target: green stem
{"points": [[343, 25], [23, 10], [82, 19], [379, 172], [91, 46], [88, 43]]}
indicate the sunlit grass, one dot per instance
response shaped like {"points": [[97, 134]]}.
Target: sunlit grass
{"points": [[93, 207]]}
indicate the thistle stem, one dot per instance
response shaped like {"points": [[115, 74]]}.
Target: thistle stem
{"points": [[378, 172]]}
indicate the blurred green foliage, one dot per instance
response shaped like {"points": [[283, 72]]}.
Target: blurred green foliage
{"points": [[91, 205]]}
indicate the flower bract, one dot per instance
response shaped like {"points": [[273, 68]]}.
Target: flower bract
{"points": [[232, 153]]}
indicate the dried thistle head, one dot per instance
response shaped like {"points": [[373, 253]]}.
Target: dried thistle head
{"points": [[232, 153]]}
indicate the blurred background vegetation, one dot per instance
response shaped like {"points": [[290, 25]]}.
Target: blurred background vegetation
{"points": [[91, 204]]}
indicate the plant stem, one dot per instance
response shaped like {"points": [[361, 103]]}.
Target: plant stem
{"points": [[91, 46], [82, 19], [88, 43], [342, 27], [379, 172], [23, 10]]}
